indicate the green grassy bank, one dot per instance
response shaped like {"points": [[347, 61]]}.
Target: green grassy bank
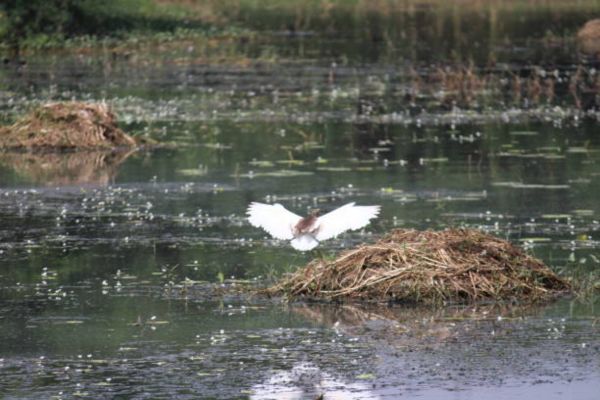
{"points": [[35, 24]]}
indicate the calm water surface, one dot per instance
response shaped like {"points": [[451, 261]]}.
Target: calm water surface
{"points": [[119, 272]]}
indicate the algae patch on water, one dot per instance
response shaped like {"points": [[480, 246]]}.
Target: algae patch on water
{"points": [[66, 126], [454, 265]]}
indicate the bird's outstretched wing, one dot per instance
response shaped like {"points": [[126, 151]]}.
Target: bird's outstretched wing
{"points": [[347, 217], [274, 219]]}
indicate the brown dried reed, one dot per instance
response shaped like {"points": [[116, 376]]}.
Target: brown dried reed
{"points": [[68, 125], [454, 265]]}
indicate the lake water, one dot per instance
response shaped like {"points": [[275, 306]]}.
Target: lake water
{"points": [[119, 271]]}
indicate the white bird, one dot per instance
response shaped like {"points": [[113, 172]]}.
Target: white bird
{"points": [[306, 233]]}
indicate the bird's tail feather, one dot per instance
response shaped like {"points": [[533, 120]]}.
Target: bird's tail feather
{"points": [[304, 243]]}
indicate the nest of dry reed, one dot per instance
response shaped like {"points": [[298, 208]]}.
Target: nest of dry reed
{"points": [[455, 265], [64, 126], [589, 37]]}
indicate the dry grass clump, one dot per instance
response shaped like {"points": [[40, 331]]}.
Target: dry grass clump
{"points": [[455, 265], [467, 86], [589, 37], [63, 126]]}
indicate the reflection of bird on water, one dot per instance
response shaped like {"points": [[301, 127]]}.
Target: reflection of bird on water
{"points": [[307, 380], [306, 233]]}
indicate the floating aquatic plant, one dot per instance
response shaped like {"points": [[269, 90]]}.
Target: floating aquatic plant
{"points": [[283, 173]]}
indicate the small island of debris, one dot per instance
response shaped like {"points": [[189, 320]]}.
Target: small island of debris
{"points": [[588, 38], [428, 267], [66, 126]]}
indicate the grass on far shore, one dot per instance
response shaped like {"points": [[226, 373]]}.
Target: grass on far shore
{"points": [[112, 21]]}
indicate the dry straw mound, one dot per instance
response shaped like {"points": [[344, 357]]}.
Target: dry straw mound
{"points": [[589, 37], [455, 265], [71, 125]]}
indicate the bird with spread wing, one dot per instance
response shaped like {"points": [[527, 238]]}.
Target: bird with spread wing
{"points": [[306, 233]]}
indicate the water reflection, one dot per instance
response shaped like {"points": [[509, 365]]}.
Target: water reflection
{"points": [[65, 169], [414, 327], [306, 380], [96, 344]]}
